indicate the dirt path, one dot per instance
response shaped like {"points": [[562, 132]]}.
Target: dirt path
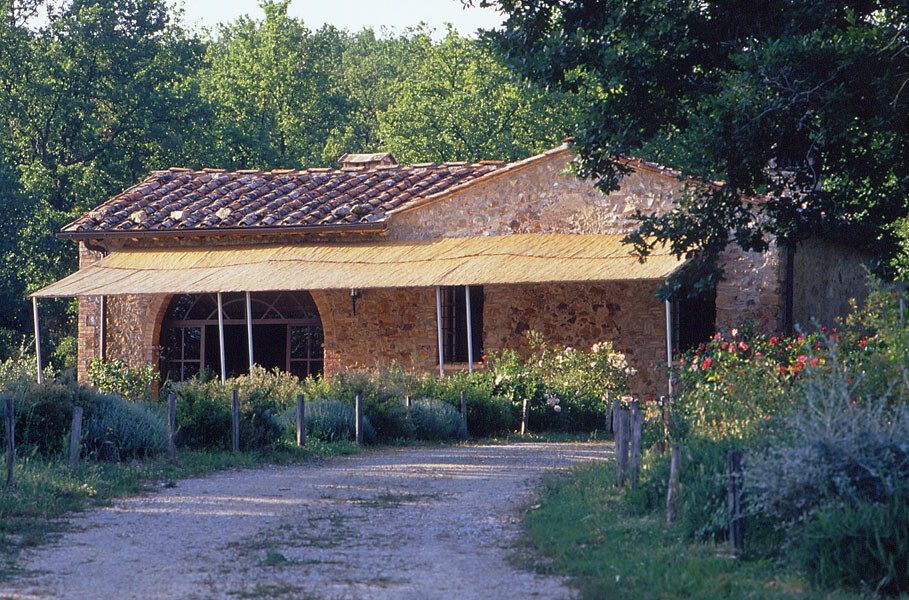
{"points": [[415, 523]]}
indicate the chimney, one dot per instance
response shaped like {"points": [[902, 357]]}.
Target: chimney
{"points": [[368, 161]]}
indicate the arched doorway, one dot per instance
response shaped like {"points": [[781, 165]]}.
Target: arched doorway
{"points": [[287, 334]]}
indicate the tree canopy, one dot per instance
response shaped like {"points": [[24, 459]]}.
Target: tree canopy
{"points": [[800, 108]]}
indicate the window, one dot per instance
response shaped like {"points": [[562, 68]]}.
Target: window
{"points": [[693, 321], [454, 323], [287, 334]]}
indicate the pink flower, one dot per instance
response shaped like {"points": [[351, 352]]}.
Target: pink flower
{"points": [[743, 346], [801, 358], [813, 362], [707, 362]]}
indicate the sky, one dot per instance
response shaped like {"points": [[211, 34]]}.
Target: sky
{"points": [[352, 15]]}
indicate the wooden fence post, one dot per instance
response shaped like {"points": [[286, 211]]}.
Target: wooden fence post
{"points": [[171, 428], [525, 410], [301, 420], [358, 419], [464, 410], [407, 402], [637, 424], [621, 446], [615, 416], [75, 438], [675, 473], [235, 421], [736, 529], [10, 424]]}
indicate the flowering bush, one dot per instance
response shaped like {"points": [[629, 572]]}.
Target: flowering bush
{"points": [[565, 386], [116, 377], [735, 383]]}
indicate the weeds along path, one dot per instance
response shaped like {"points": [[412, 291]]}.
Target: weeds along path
{"points": [[416, 523]]}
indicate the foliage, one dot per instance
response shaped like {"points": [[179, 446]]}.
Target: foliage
{"points": [[831, 448], [800, 103], [44, 414], [581, 527], [735, 383], [461, 103], [488, 414], [863, 545], [204, 409], [119, 430], [566, 387], [436, 420], [330, 421], [117, 377]]}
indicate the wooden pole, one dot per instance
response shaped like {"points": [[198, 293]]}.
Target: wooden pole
{"points": [[525, 413], [615, 417], [358, 408], [75, 438], [9, 420], [637, 424], [37, 339], [407, 402], [464, 410], [675, 474], [736, 529], [301, 421], [249, 337], [171, 428], [469, 335], [101, 326], [621, 446], [235, 421], [439, 326], [221, 337]]}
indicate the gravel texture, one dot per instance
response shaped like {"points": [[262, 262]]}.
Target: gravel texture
{"points": [[421, 523]]}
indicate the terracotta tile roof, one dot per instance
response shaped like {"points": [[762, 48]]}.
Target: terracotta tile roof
{"points": [[211, 199]]}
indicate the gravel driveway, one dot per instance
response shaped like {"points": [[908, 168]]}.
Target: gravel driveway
{"points": [[415, 523]]}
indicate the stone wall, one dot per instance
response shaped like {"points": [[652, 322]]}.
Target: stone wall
{"points": [[390, 325], [579, 315], [826, 275], [537, 196], [752, 289], [133, 325]]}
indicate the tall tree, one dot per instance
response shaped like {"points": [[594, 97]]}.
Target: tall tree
{"points": [[462, 103], [802, 104]]}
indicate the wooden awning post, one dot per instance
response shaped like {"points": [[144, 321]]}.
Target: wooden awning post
{"points": [[101, 327], [669, 343], [439, 323], [469, 331], [221, 337], [249, 333], [37, 339]]}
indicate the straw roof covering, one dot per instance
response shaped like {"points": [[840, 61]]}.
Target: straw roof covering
{"points": [[508, 259]]}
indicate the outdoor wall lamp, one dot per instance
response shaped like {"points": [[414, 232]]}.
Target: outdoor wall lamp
{"points": [[354, 294]]}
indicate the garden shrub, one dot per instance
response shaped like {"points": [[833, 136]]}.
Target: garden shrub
{"points": [[436, 420], [831, 447], [44, 414], [488, 414], [864, 545], [121, 430], [116, 377], [329, 421], [565, 387]]}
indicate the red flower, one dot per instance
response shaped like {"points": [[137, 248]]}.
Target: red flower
{"points": [[773, 340], [706, 363], [813, 362], [824, 329], [801, 358], [743, 346]]}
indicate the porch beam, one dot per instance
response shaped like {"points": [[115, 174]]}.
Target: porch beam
{"points": [[101, 326], [221, 338], [249, 333], [37, 339], [439, 323], [669, 343], [469, 330]]}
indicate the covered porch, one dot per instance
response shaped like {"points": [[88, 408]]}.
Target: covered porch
{"points": [[426, 304]]}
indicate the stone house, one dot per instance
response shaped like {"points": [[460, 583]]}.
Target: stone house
{"points": [[318, 270]]}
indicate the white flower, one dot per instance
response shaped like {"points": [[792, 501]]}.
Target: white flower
{"points": [[557, 408]]}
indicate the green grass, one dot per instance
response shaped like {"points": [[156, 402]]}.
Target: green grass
{"points": [[582, 528], [32, 512]]}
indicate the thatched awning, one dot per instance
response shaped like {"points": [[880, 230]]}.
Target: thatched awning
{"points": [[508, 259]]}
